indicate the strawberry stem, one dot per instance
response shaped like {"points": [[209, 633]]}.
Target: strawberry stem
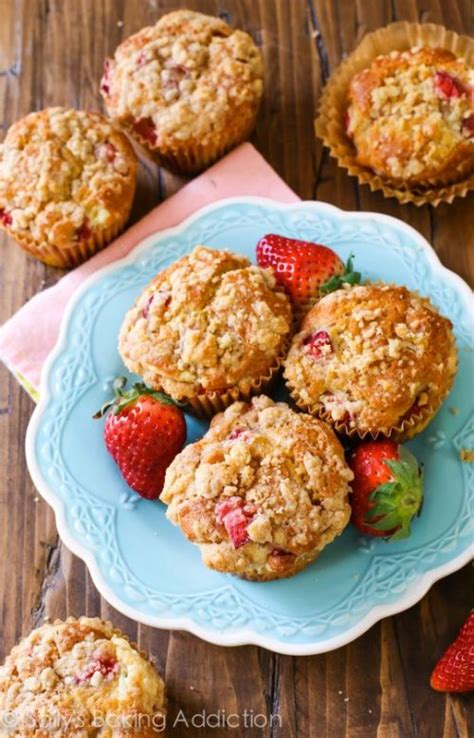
{"points": [[349, 276], [124, 397]]}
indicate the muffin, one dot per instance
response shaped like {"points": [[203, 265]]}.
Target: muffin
{"points": [[208, 330], [187, 89], [67, 180], [79, 678], [375, 360], [411, 117], [262, 493]]}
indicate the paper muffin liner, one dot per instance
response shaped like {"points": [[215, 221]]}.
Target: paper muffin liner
{"points": [[208, 404], [188, 157], [329, 125], [77, 252], [406, 429]]}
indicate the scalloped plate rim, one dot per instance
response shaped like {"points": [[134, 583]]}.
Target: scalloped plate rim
{"points": [[238, 636]]}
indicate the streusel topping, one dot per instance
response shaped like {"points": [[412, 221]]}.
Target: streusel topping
{"points": [[410, 111], [264, 480], [77, 671], [64, 174], [208, 322], [371, 355], [177, 79]]}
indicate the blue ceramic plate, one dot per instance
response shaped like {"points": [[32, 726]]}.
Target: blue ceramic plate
{"points": [[140, 562]]}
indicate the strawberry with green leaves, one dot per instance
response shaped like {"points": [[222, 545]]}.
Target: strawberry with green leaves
{"points": [[144, 430], [304, 269], [454, 672], [387, 490]]}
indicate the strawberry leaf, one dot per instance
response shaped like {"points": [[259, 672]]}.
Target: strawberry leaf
{"points": [[349, 276], [396, 503], [126, 398]]}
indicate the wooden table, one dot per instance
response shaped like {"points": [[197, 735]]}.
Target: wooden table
{"points": [[51, 53]]}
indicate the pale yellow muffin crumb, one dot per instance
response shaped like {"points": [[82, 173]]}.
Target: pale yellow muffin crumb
{"points": [[208, 323], [411, 117], [67, 177], [187, 89], [263, 492], [371, 359], [79, 678]]}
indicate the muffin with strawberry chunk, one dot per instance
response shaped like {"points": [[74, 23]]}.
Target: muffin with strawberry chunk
{"points": [[208, 330], [67, 181], [373, 360], [187, 89], [411, 117], [262, 493], [80, 678]]}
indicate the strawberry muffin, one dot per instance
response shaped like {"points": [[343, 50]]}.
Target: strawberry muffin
{"points": [[373, 360], [187, 89], [262, 493], [67, 181], [208, 330], [80, 678], [411, 117]]}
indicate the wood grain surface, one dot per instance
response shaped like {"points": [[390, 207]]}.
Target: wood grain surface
{"points": [[51, 52]]}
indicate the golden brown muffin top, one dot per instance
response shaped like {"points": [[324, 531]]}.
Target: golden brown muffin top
{"points": [[369, 355], [208, 322], [411, 114], [182, 78], [73, 678], [63, 175], [283, 472]]}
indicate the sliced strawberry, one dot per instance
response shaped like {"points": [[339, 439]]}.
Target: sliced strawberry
{"points": [[106, 152], [318, 344], [302, 268], [5, 217], [143, 433], [146, 309], [468, 125], [387, 490], [105, 665], [83, 233], [105, 81], [236, 516], [146, 129], [448, 87], [454, 672]]}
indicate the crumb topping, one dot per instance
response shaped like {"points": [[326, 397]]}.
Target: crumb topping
{"points": [[208, 322], [411, 113], [263, 482], [182, 78], [64, 174], [81, 667], [391, 354]]}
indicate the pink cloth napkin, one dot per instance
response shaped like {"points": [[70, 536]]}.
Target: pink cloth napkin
{"points": [[27, 338]]}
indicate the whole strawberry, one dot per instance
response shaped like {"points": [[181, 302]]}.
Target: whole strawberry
{"points": [[144, 430], [306, 270], [387, 490], [454, 672]]}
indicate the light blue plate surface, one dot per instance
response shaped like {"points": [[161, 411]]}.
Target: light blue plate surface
{"points": [[139, 561]]}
